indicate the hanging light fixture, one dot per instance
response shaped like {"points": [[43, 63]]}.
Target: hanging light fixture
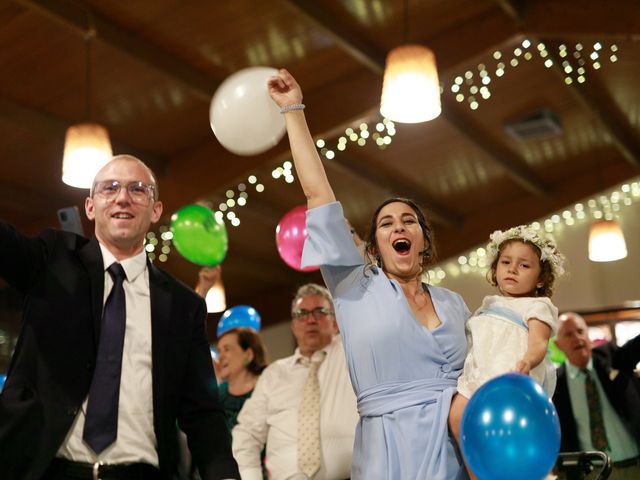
{"points": [[216, 298], [87, 147], [606, 241], [410, 87]]}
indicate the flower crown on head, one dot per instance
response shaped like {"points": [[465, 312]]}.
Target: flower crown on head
{"points": [[546, 245]]}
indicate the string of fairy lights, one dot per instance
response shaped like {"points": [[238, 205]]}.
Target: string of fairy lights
{"points": [[601, 206], [472, 86]]}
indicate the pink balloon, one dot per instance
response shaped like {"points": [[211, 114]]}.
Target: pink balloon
{"points": [[290, 235]]}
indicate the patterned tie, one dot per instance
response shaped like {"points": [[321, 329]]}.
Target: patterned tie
{"points": [[309, 422], [101, 422], [596, 422]]}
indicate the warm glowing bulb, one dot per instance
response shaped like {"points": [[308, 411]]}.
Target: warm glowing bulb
{"points": [[606, 242], [86, 150], [216, 299], [410, 90]]}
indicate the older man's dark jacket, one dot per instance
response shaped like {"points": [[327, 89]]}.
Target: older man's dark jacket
{"points": [[62, 277], [614, 366]]}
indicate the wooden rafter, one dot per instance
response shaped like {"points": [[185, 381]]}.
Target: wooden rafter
{"points": [[510, 161], [579, 18], [80, 19], [594, 97], [511, 9], [23, 201], [500, 154], [364, 53], [566, 191], [394, 185], [53, 127]]}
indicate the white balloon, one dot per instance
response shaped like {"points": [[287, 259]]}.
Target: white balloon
{"points": [[243, 117]]}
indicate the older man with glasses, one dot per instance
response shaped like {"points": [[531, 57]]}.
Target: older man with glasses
{"points": [[303, 407], [113, 352]]}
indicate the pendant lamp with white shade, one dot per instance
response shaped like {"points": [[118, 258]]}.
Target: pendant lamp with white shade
{"points": [[86, 150], [87, 147], [410, 88], [606, 241]]}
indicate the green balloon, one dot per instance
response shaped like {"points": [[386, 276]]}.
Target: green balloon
{"points": [[556, 355], [199, 236]]}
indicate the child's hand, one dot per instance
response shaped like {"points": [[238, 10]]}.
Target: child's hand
{"points": [[523, 366]]}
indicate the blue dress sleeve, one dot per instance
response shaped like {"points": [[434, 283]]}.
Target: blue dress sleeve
{"points": [[330, 245], [329, 241]]}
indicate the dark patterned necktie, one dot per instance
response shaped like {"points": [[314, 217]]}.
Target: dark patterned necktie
{"points": [[101, 422], [596, 422]]}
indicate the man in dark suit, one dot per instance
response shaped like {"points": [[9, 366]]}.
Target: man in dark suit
{"points": [[605, 416], [112, 355]]}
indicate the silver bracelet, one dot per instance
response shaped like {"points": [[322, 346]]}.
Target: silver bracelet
{"points": [[294, 106]]}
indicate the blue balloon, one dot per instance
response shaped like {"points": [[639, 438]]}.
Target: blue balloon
{"points": [[3, 378], [239, 316], [510, 429]]}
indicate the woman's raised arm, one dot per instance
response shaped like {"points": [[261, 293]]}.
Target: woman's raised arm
{"points": [[285, 91]]}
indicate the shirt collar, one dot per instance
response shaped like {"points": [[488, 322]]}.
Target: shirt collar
{"points": [[133, 266], [576, 372], [316, 356]]}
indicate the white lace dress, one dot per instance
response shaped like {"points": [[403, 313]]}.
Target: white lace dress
{"points": [[497, 336]]}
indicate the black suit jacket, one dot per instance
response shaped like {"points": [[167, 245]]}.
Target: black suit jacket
{"points": [[614, 366], [62, 277]]}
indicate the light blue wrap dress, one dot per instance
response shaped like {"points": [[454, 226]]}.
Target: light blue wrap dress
{"points": [[404, 375]]}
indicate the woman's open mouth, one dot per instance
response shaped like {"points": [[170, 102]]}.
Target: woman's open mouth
{"points": [[402, 246]]}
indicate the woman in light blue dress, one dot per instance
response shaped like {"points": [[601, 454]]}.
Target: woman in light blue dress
{"points": [[404, 340]]}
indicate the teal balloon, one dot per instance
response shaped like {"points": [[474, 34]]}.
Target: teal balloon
{"points": [[199, 236], [556, 355]]}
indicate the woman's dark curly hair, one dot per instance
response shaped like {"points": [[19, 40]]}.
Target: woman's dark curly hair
{"points": [[371, 247], [249, 339], [547, 278]]}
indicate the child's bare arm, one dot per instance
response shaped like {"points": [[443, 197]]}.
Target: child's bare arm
{"points": [[539, 333]]}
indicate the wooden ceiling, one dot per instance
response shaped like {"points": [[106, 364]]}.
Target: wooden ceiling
{"points": [[156, 64]]}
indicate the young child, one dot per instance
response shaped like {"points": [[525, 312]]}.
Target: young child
{"points": [[510, 331]]}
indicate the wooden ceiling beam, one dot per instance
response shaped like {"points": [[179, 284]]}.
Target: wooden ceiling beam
{"points": [[49, 126], [592, 95], [26, 201], [481, 138], [365, 54], [511, 162], [81, 19], [566, 192], [391, 183], [614, 19], [512, 9], [595, 98]]}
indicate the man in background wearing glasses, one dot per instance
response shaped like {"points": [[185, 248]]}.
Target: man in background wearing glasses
{"points": [[273, 415], [112, 352]]}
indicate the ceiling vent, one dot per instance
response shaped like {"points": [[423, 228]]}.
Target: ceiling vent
{"points": [[543, 123]]}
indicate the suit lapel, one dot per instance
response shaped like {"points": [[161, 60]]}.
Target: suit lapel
{"points": [[160, 298], [91, 257]]}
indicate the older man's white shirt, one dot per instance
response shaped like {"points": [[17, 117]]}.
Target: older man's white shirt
{"points": [[271, 416]]}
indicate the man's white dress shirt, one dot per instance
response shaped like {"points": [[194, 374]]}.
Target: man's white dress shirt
{"points": [[136, 440], [270, 417]]}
